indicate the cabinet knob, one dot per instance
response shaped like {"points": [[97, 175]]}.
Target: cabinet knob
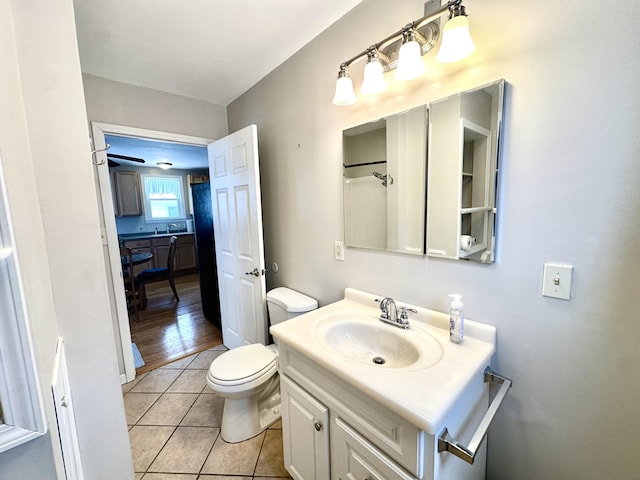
{"points": [[318, 426]]}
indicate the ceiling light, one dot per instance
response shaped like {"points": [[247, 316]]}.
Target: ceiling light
{"points": [[164, 165], [404, 49]]}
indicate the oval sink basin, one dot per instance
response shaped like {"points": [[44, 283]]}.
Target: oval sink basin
{"points": [[371, 342]]}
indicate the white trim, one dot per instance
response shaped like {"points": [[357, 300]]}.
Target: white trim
{"points": [[98, 131], [20, 397]]}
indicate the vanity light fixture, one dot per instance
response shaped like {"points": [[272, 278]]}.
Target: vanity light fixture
{"points": [[344, 88], [410, 64], [403, 51], [164, 165], [374, 81], [456, 39]]}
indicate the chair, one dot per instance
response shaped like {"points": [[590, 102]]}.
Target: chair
{"points": [[132, 287], [160, 273]]}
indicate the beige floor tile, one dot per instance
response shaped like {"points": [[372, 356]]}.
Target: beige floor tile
{"points": [[156, 381], [138, 475], [137, 404], [128, 386], [234, 458], [271, 459], [186, 450], [205, 412], [189, 381], [170, 409], [146, 442], [225, 477], [182, 363], [270, 478], [204, 359], [277, 425], [169, 476], [219, 347]]}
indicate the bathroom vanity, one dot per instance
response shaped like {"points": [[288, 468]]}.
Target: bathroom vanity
{"points": [[366, 400]]}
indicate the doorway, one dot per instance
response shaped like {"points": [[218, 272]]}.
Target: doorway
{"points": [[109, 233]]}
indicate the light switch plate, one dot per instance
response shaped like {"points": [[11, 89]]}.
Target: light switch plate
{"points": [[556, 280], [339, 250]]}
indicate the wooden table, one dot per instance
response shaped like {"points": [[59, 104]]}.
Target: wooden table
{"points": [[138, 258]]}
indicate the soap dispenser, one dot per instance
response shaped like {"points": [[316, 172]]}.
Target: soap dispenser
{"points": [[456, 318]]}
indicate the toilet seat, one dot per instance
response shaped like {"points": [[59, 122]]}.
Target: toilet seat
{"points": [[243, 365]]}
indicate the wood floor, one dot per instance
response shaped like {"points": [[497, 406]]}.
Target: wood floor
{"points": [[170, 330]]}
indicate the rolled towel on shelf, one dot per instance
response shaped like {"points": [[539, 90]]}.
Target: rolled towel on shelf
{"points": [[466, 242]]}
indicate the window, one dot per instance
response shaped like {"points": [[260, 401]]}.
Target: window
{"points": [[21, 414], [163, 197]]}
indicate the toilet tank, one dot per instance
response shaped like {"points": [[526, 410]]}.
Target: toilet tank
{"points": [[284, 303]]}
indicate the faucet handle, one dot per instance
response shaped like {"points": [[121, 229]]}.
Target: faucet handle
{"points": [[403, 312]]}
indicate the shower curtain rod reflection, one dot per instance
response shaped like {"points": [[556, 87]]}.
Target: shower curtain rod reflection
{"points": [[364, 164]]}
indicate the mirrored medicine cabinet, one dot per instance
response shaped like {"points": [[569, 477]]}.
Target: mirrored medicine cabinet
{"points": [[425, 181]]}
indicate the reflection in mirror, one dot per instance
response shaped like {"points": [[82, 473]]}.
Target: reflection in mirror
{"points": [[464, 131], [384, 183]]}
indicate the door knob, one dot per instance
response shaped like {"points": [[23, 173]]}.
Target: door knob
{"points": [[255, 272]]}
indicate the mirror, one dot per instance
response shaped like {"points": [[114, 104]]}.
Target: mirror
{"points": [[384, 183], [396, 200], [463, 174]]}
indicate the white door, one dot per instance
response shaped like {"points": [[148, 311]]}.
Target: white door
{"points": [[237, 224]]}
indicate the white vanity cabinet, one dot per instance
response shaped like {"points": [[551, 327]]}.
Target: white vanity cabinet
{"points": [[334, 431], [306, 438]]}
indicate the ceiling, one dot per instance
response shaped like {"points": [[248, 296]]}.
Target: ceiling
{"points": [[211, 50], [181, 156]]}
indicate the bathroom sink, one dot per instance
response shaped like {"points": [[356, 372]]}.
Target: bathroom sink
{"points": [[368, 341], [423, 374]]}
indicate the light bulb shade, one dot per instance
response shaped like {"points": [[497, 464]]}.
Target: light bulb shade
{"points": [[344, 91], [456, 40], [410, 63], [374, 81]]}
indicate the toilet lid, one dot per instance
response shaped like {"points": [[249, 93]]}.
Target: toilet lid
{"points": [[243, 363]]}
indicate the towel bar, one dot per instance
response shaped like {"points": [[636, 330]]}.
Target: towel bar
{"points": [[448, 444]]}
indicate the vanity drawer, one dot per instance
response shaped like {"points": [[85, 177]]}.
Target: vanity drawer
{"points": [[389, 432], [356, 458]]}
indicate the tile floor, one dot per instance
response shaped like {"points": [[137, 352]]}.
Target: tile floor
{"points": [[174, 429]]}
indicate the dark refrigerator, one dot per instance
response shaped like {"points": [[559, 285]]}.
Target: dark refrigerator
{"points": [[206, 251]]}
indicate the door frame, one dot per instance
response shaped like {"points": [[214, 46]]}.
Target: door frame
{"points": [[109, 234]]}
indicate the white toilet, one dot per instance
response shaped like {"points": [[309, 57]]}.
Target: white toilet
{"points": [[247, 378]]}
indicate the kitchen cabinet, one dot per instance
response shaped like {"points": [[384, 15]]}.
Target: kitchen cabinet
{"points": [[127, 195], [184, 260], [186, 253], [140, 246]]}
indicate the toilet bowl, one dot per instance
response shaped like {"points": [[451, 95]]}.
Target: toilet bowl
{"points": [[247, 377]]}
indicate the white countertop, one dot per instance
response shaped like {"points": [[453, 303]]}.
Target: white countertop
{"points": [[422, 393]]}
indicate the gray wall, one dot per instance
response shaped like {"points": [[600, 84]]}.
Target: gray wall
{"points": [[570, 193], [122, 104]]}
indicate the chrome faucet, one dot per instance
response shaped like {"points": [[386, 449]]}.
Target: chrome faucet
{"points": [[390, 313]]}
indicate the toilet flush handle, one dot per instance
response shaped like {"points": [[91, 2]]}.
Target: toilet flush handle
{"points": [[318, 426]]}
